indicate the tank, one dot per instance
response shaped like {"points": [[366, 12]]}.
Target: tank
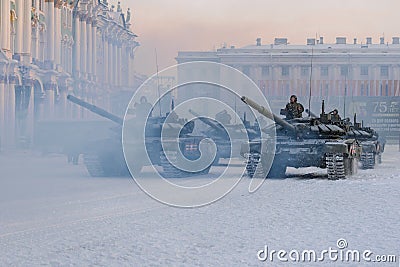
{"points": [[301, 142], [220, 136], [105, 157]]}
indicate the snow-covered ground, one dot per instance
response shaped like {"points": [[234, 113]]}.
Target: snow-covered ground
{"points": [[52, 213]]}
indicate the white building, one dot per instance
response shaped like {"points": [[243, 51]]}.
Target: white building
{"points": [[357, 77], [51, 48]]}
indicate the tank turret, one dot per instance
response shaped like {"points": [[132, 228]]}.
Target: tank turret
{"points": [[228, 137], [213, 124], [106, 157], [300, 127]]}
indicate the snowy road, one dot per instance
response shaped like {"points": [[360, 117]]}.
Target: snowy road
{"points": [[52, 213]]}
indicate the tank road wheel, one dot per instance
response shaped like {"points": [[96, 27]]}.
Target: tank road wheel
{"points": [[253, 168], [367, 160], [170, 171], [335, 166], [105, 166], [93, 165]]}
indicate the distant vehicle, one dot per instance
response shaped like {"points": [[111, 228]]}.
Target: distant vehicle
{"points": [[225, 143], [106, 158]]}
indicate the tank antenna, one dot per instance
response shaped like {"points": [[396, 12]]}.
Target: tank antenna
{"points": [[344, 98], [309, 97], [158, 82]]}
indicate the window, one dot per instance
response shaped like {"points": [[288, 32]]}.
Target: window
{"points": [[33, 3], [344, 70], [285, 70], [69, 19], [41, 5], [324, 71], [384, 71], [364, 70], [265, 71], [305, 71]]}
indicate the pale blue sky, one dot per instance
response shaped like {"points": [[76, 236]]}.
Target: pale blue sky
{"points": [[173, 25]]}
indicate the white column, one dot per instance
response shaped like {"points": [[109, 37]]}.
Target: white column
{"points": [[105, 60], [30, 117], [2, 117], [119, 65], [35, 43], [124, 62], [50, 99], [131, 78], [77, 45], [10, 114], [5, 25], [35, 36], [109, 63], [83, 45], [19, 26], [115, 67], [49, 52], [89, 47], [94, 50], [57, 35], [27, 33]]}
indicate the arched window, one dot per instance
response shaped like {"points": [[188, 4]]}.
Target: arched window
{"points": [[69, 19]]}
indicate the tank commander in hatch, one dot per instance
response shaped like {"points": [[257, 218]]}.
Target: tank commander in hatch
{"points": [[293, 109], [143, 108], [335, 115]]}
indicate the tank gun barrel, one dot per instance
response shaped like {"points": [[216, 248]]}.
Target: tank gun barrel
{"points": [[263, 111], [99, 111]]}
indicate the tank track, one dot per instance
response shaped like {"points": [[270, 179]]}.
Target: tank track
{"points": [[335, 166], [367, 160], [170, 171], [93, 165], [253, 168], [99, 166]]}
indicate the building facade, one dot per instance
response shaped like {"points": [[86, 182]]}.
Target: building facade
{"points": [[52, 48], [356, 77]]}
